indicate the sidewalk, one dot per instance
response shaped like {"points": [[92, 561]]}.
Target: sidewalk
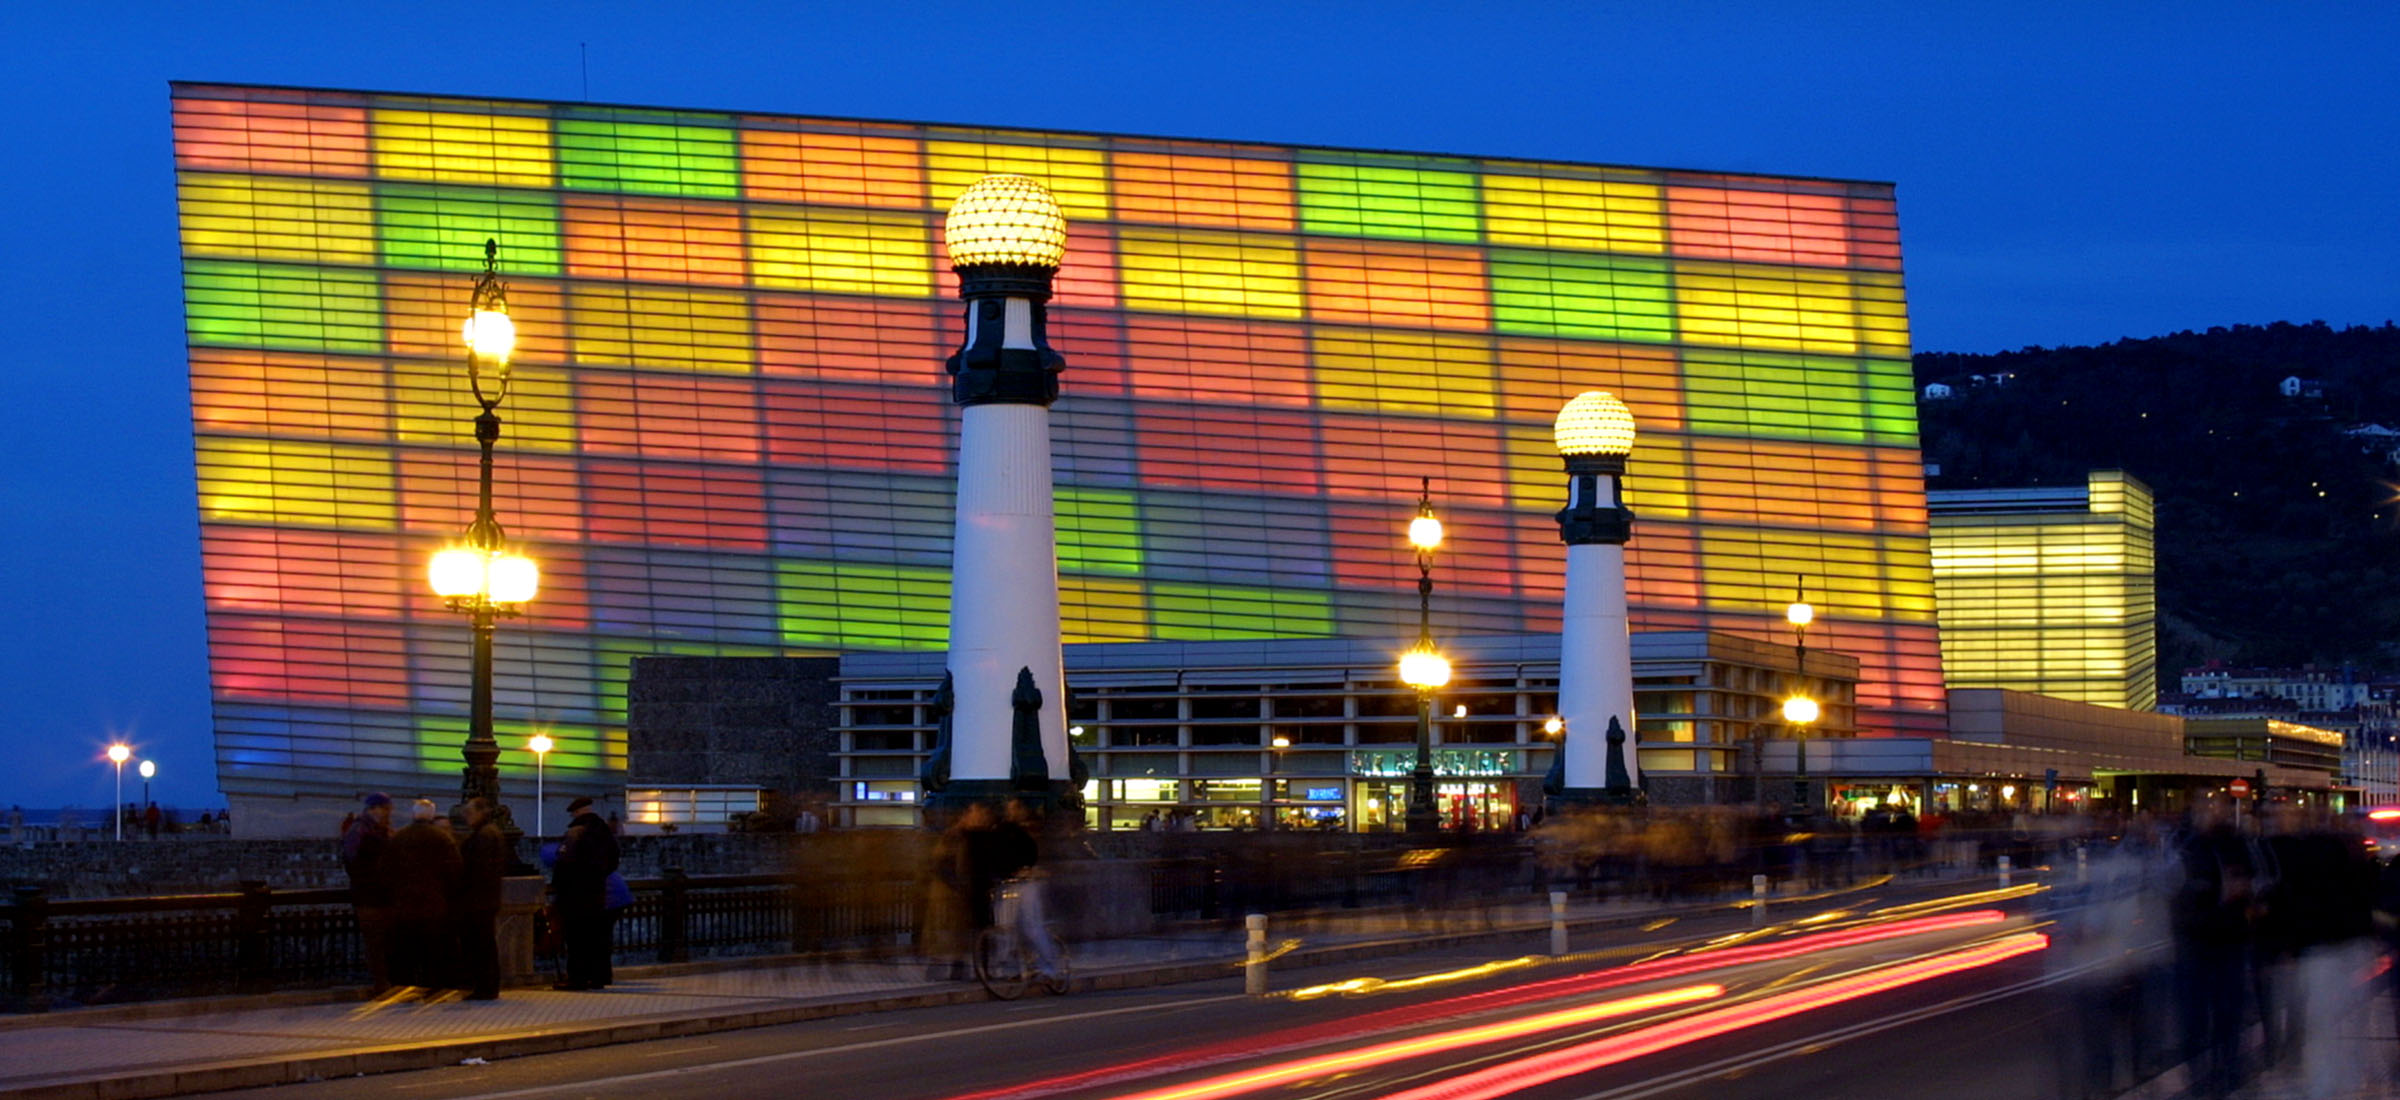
{"points": [[149, 1051]]}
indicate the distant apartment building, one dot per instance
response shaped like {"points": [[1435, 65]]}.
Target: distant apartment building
{"points": [[2050, 590], [2308, 688]]}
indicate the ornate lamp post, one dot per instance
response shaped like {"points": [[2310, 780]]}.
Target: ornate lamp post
{"points": [[149, 770], [1001, 725], [480, 575], [118, 754], [1799, 710], [1595, 762], [1423, 667]]}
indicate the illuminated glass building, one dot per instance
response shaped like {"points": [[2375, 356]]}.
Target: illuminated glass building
{"points": [[729, 432], [2050, 590]]}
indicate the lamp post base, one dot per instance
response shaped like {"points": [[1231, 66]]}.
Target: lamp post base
{"points": [[1056, 803], [1423, 816], [1575, 799]]}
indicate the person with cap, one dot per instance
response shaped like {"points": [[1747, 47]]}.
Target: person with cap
{"points": [[477, 908], [363, 846], [422, 867], [579, 890]]}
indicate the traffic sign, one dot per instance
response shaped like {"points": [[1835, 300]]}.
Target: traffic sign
{"points": [[2240, 788]]}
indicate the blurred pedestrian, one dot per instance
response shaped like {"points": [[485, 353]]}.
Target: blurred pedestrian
{"points": [[484, 860], [2209, 917], [363, 846], [579, 890], [423, 867], [151, 819]]}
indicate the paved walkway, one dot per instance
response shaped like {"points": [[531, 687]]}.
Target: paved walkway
{"points": [[143, 1051]]}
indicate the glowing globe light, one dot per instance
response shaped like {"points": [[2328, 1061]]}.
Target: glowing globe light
{"points": [[466, 573], [1425, 532], [1006, 219], [490, 334], [1800, 710], [1555, 726], [149, 769], [515, 579], [1594, 423], [1423, 669], [540, 743], [118, 754], [1799, 614]]}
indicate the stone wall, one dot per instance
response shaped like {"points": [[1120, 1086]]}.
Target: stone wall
{"points": [[752, 721]]}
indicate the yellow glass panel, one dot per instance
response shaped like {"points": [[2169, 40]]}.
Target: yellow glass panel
{"points": [[288, 481], [1657, 482], [1078, 178], [1861, 576], [1095, 610], [463, 148], [1404, 371], [1574, 213], [842, 252], [1882, 313], [277, 218], [661, 328], [431, 403], [1208, 272], [1755, 306]]}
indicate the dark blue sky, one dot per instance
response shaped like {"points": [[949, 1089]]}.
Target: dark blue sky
{"points": [[2068, 173]]}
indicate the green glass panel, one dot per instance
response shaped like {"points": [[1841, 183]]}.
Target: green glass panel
{"points": [[282, 306], [649, 158], [861, 605], [1790, 397], [445, 227], [1418, 204], [1891, 401], [1099, 531], [579, 748], [1202, 612], [1581, 294]]}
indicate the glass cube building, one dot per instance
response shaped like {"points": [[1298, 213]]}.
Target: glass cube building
{"points": [[729, 430]]}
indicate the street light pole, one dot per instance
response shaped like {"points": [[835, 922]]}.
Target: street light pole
{"points": [[1423, 668], [148, 769], [1799, 708], [541, 744], [480, 576], [118, 754]]}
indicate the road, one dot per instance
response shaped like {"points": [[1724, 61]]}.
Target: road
{"points": [[1883, 995]]}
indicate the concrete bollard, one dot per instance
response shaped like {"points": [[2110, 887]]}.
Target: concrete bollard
{"points": [[1254, 970], [1758, 900], [1558, 922], [2004, 872]]}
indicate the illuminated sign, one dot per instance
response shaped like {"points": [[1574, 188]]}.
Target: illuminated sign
{"points": [[1463, 762]]}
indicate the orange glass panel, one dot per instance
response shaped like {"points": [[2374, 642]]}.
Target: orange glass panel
{"points": [[1384, 456], [1538, 377], [1195, 359], [289, 394], [852, 339], [654, 240], [423, 314], [1874, 233], [1190, 189], [1757, 481], [242, 136], [668, 416], [536, 497], [1371, 550], [878, 427], [1662, 565], [836, 169], [1094, 346], [1383, 283], [308, 660], [1251, 450], [1774, 226], [301, 572], [675, 505], [1087, 278]]}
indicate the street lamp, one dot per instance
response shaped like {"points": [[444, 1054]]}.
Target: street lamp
{"points": [[1798, 710], [1423, 667], [118, 754], [480, 575], [541, 744], [148, 769]]}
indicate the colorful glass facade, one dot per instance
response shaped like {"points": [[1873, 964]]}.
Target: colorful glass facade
{"points": [[2051, 591], [729, 430]]}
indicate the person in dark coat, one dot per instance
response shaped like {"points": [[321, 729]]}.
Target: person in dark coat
{"points": [[363, 844], [422, 867], [485, 858], [2209, 917], [579, 891]]}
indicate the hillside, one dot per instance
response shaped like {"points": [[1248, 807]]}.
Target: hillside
{"points": [[2278, 535]]}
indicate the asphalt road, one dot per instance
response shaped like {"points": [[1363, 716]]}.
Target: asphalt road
{"points": [[1641, 1016]]}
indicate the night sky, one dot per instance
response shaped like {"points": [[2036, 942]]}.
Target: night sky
{"points": [[2083, 173]]}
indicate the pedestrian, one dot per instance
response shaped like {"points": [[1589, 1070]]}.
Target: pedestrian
{"points": [[363, 846], [2210, 917], [579, 890], [483, 863], [151, 819], [423, 868]]}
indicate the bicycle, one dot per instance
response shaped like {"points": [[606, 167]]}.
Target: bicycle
{"points": [[1008, 957]]}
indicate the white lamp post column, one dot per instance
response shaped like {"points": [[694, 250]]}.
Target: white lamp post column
{"points": [[1595, 761], [1003, 732]]}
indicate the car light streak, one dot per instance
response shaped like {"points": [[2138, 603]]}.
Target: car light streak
{"points": [[1490, 1000], [1524, 1073], [1232, 1084]]}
